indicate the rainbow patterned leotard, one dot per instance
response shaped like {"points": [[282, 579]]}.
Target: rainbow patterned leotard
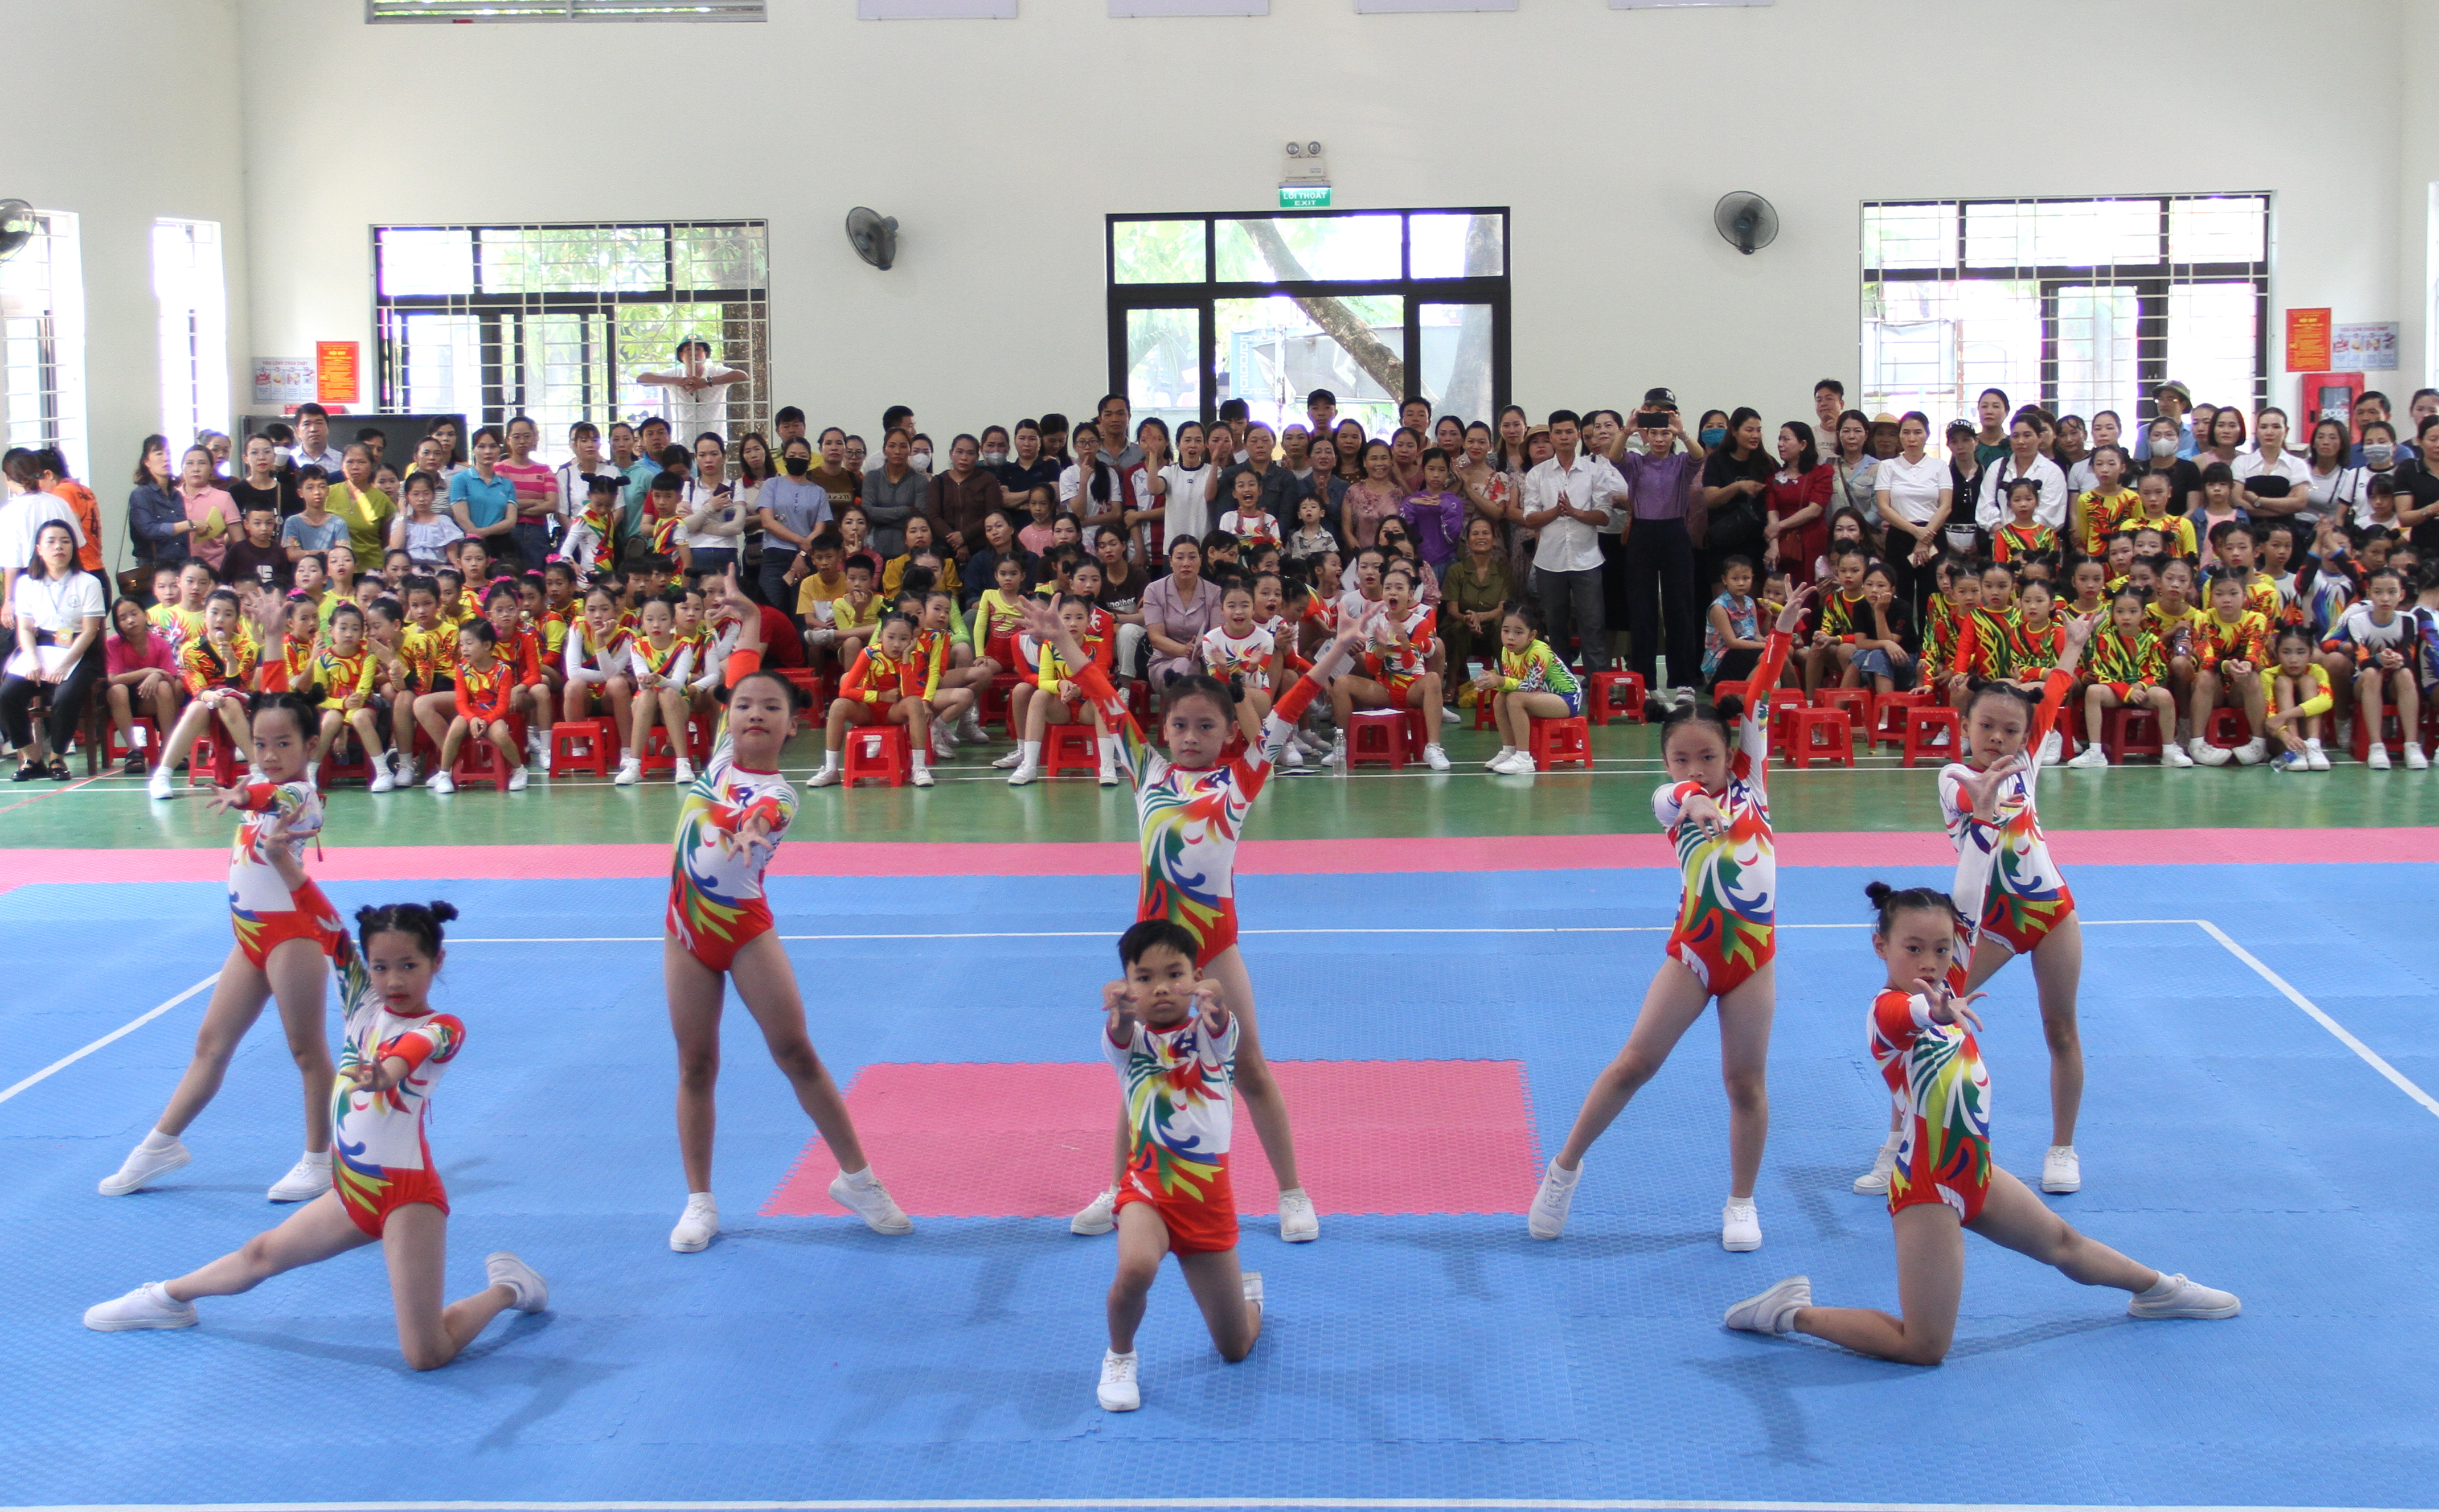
{"points": [[1727, 916], [1943, 1094], [380, 1159], [715, 901], [1180, 1089], [1192, 819], [2007, 886], [263, 914]]}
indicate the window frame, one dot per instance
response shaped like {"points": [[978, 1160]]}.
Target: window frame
{"points": [[467, 12], [1203, 296], [204, 359], [60, 406], [2152, 282]]}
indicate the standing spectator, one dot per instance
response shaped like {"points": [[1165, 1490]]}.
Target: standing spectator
{"points": [[651, 441], [312, 528], [2024, 460], [539, 510], [893, 493], [22, 519], [207, 507], [1828, 402], [2327, 472], [698, 390], [1176, 611], [1665, 484], [2105, 431], [711, 518], [2159, 454], [1374, 498], [2417, 492], [313, 446], [584, 443], [963, 494], [368, 509], [55, 609], [1181, 489], [2174, 400], [483, 502], [1799, 505], [2074, 448], [1734, 480], [2271, 480], [832, 473], [792, 508], [1568, 499], [1912, 499], [1146, 519], [1990, 441], [1851, 465], [263, 482]]}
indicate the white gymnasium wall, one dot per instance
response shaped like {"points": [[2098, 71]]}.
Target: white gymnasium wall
{"points": [[125, 111], [999, 144]]}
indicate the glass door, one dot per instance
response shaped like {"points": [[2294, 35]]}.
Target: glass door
{"points": [[1453, 357], [1271, 352], [1164, 364]]}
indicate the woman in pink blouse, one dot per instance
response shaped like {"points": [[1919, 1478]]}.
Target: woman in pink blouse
{"points": [[1374, 498], [209, 506], [142, 677]]}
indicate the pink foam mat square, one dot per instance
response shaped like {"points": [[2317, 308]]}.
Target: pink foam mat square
{"points": [[1035, 1139]]}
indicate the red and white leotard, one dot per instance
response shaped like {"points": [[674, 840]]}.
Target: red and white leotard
{"points": [[1727, 917], [263, 914], [380, 1160], [2007, 886], [716, 902]]}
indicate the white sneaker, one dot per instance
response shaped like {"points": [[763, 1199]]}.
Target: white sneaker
{"points": [[1336, 754], [922, 777], [1435, 757], [503, 1268], [870, 1201], [1252, 1280], [970, 729], [517, 779], [1449, 715], [944, 738], [2089, 759], [684, 776], [147, 1306], [2207, 753], [1291, 757], [697, 1224], [1547, 1219], [1118, 1391], [381, 781], [537, 748], [1495, 763], [2052, 745], [2174, 756], [828, 777], [2061, 1170], [306, 1179], [1010, 761], [1520, 765], [1025, 772], [2253, 753], [1739, 1227], [2414, 759], [1298, 1223], [631, 771], [2181, 1299], [2378, 755], [1875, 1181], [403, 763], [1775, 1310], [2315, 758], [442, 783], [144, 1166], [158, 784], [1099, 1216]]}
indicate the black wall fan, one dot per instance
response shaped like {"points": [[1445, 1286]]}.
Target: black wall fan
{"points": [[1748, 220]]}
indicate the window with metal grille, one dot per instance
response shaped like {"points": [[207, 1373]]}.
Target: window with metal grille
{"points": [[558, 321], [193, 299], [2078, 305], [41, 341], [469, 11]]}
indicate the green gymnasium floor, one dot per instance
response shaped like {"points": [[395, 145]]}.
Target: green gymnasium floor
{"points": [[972, 803]]}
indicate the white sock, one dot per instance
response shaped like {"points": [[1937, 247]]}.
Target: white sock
{"points": [[317, 1157], [2312, 744], [2158, 1288], [829, 761], [923, 755], [1122, 1354], [1032, 752], [156, 1142], [1505, 751], [705, 1199], [1562, 1175], [861, 1178]]}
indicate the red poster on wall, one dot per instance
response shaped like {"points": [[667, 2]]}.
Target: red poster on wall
{"points": [[2308, 340], [335, 369]]}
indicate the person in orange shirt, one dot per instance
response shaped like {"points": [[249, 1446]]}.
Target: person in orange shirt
{"points": [[78, 499], [888, 684], [486, 685]]}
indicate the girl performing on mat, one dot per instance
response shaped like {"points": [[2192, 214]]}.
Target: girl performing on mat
{"points": [[1943, 1180], [1716, 808]]}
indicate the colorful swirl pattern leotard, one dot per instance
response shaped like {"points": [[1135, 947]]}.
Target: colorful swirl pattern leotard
{"points": [[1727, 916], [1180, 1086], [380, 1159], [1943, 1096], [716, 901], [2007, 886], [263, 914]]}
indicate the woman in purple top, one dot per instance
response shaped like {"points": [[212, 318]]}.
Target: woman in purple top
{"points": [[1176, 611], [1435, 516]]}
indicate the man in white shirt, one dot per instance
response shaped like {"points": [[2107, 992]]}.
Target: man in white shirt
{"points": [[2023, 459], [313, 446], [1568, 499], [698, 392], [2271, 458]]}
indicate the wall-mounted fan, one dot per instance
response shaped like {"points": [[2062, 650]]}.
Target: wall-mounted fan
{"points": [[874, 236], [16, 227], [1746, 219]]}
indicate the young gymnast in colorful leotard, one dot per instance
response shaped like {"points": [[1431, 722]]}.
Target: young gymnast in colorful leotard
{"points": [[1716, 808], [717, 930], [1943, 1180], [1192, 805], [387, 1190], [288, 938], [2014, 900]]}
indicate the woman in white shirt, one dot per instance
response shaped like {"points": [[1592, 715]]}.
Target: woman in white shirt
{"points": [[1911, 493], [714, 520], [2326, 467], [2024, 460], [1179, 488], [2269, 458], [58, 648]]}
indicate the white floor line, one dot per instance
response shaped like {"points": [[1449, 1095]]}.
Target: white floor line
{"points": [[1178, 1503], [122, 1031], [2345, 1037]]}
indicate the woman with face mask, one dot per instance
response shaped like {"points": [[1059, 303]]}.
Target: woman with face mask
{"points": [[789, 508], [2159, 454]]}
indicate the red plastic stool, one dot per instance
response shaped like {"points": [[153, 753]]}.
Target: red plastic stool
{"points": [[479, 760], [1826, 735], [1070, 748], [1486, 711], [879, 751], [212, 761], [807, 682], [335, 768], [1139, 701], [1888, 721], [1721, 690], [1561, 742], [2227, 727], [1378, 736], [2125, 732], [991, 702], [1921, 720], [698, 734], [580, 745], [1613, 696], [1856, 702], [2392, 729], [113, 751], [659, 754]]}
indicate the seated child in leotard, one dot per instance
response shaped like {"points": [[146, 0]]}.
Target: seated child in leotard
{"points": [[2300, 694]]}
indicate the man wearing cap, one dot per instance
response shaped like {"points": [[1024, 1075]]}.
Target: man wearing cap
{"points": [[2174, 400], [1321, 409], [1665, 486], [2372, 407]]}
